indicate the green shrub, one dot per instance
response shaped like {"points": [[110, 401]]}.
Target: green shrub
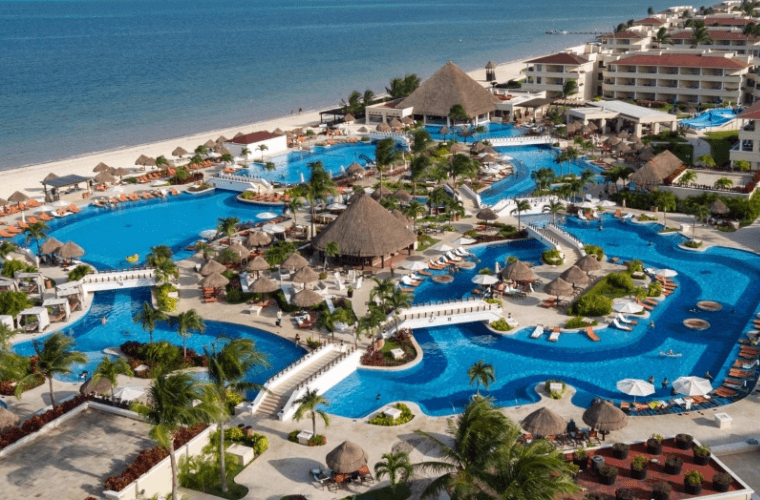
{"points": [[472, 233], [10, 267], [595, 250], [247, 195], [592, 305], [495, 301], [500, 325], [579, 322], [260, 443], [693, 244], [646, 218], [552, 257], [317, 440], [555, 394], [635, 266], [160, 353], [234, 398], [234, 434], [166, 303], [655, 289], [384, 420], [486, 270], [79, 272], [623, 281], [668, 230], [293, 436], [12, 303]]}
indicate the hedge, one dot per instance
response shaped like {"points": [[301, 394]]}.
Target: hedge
{"points": [[385, 420]]}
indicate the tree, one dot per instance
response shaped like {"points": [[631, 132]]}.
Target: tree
{"points": [[36, 231], [522, 206], [186, 323], [743, 165], [262, 148], [157, 253], [201, 150], [418, 168], [162, 162], [570, 87], [688, 177], [421, 141], [308, 404], [481, 373], [332, 250], [227, 226], [6, 248], [110, 370], [386, 153], [724, 183], [367, 99], [662, 38], [227, 369], [12, 303], [227, 158], [396, 466], [414, 210], [54, 356], [650, 11], [700, 35], [182, 173], [172, 407], [706, 160], [402, 87], [245, 152], [436, 198], [699, 212], [165, 270], [462, 166], [278, 252], [148, 318], [293, 205], [555, 207], [390, 203], [458, 113], [206, 250], [399, 299], [319, 187], [6, 333], [543, 177], [270, 166], [665, 200], [353, 105], [382, 291]]}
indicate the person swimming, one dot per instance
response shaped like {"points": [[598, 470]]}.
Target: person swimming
{"points": [[670, 352], [665, 382], [104, 320], [651, 379]]}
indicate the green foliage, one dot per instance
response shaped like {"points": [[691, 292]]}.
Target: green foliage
{"points": [[693, 244], [579, 322], [592, 305], [12, 266], [623, 281], [384, 420], [166, 303], [693, 477], [500, 325], [595, 250], [160, 353], [570, 87], [655, 289], [639, 462], [555, 394], [12, 303], [293, 436], [79, 272], [234, 398], [720, 144], [552, 257], [486, 271], [495, 301]]}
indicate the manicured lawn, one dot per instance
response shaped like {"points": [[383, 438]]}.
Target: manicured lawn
{"points": [[720, 143], [427, 244]]}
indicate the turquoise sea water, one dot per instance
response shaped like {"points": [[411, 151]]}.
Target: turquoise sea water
{"points": [[94, 75]]}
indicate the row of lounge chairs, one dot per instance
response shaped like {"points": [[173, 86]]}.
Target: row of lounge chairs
{"points": [[18, 208], [270, 198]]}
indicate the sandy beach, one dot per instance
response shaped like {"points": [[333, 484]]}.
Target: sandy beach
{"points": [[27, 179]]}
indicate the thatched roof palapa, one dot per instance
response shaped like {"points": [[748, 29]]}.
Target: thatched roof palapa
{"points": [[407, 120], [657, 169], [355, 169], [214, 280], [50, 176], [366, 229], [264, 285], [395, 123], [101, 387], [363, 130], [257, 264], [209, 143], [383, 127], [18, 197], [50, 246], [575, 275], [349, 118], [558, 287], [305, 275], [179, 152], [444, 130], [101, 167], [141, 160], [718, 207], [517, 271], [294, 262], [588, 263], [381, 193], [605, 417], [348, 457], [70, 250], [104, 177], [544, 422], [240, 250], [257, 239], [306, 298], [402, 195], [212, 267], [486, 214]]}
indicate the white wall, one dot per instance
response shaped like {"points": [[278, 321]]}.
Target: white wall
{"points": [[276, 145]]}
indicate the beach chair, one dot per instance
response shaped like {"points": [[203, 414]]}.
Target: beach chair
{"points": [[593, 336], [406, 280], [625, 320], [645, 306], [617, 325], [555, 334], [330, 305], [537, 332]]}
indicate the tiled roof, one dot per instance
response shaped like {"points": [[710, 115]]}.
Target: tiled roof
{"points": [[715, 35], [681, 60], [254, 137], [561, 58], [727, 21], [752, 112], [650, 20], [624, 34]]}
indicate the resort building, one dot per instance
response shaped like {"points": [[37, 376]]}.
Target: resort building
{"points": [[729, 20], [627, 41], [550, 74], [258, 141], [618, 115], [748, 148], [385, 112], [449, 86], [722, 40], [669, 77]]}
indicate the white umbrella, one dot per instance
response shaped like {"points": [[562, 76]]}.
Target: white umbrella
{"points": [[464, 240], [635, 387], [588, 204], [266, 215], [666, 273], [692, 386], [414, 265], [273, 228], [628, 307], [441, 247], [128, 392], [208, 234], [507, 157], [607, 203], [43, 208], [485, 279], [60, 203], [336, 206]]}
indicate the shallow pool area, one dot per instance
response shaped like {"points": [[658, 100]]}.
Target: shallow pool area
{"points": [[493, 129], [710, 118]]}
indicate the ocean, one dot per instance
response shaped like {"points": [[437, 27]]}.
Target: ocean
{"points": [[86, 76]]}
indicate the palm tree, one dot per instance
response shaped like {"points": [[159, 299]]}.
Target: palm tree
{"points": [[293, 205], [308, 404], [262, 148], [543, 177], [227, 226], [481, 373], [724, 183], [205, 249], [742, 165], [185, 323], [699, 212], [165, 270], [556, 207], [245, 152], [172, 407], [414, 210], [332, 250], [36, 231], [227, 158], [422, 140], [396, 466], [6, 247], [418, 168], [367, 99], [662, 38], [54, 355], [688, 177], [201, 150], [6, 333], [706, 160], [386, 153], [157, 253], [110, 370], [383, 290], [700, 36], [436, 198], [522, 206], [227, 368], [462, 165], [319, 187], [399, 299], [148, 318], [457, 112], [353, 105]]}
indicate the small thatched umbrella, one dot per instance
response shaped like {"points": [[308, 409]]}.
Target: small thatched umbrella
{"points": [[718, 207], [383, 127], [264, 285], [585, 130], [257, 264], [407, 120], [623, 134], [575, 276], [588, 263], [363, 130], [355, 169], [395, 123], [307, 298], [3, 202], [70, 250], [638, 146], [179, 152], [444, 131], [258, 239], [18, 197], [517, 271], [150, 162], [214, 280], [239, 134], [104, 177], [209, 143], [458, 148], [121, 172], [221, 138], [141, 160], [212, 267], [305, 275], [491, 151], [347, 458], [487, 214], [605, 417], [101, 167], [349, 118], [478, 147], [592, 126], [294, 262], [544, 422], [381, 192], [101, 387], [402, 195], [646, 154], [612, 140], [558, 287], [50, 176], [50, 246], [278, 131], [240, 250], [489, 159], [8, 420], [623, 147]]}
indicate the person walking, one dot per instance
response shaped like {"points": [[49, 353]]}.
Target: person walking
{"points": [[279, 318]]}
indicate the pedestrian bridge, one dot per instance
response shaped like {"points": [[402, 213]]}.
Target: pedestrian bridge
{"points": [[522, 140], [443, 313], [119, 279]]}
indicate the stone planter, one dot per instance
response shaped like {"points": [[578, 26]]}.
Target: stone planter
{"points": [[702, 459], [582, 463], [684, 444], [620, 454], [653, 447], [607, 480], [658, 495], [721, 487], [673, 469], [693, 489], [639, 474]]}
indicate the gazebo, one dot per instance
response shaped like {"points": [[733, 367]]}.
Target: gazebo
{"points": [[59, 183]]}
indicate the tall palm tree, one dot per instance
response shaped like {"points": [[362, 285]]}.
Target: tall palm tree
{"points": [[367, 99], [414, 210], [262, 148], [157, 253], [522, 206], [396, 466], [332, 250], [6, 333], [227, 226], [382, 290], [353, 105], [54, 355], [575, 185], [700, 36], [422, 140], [457, 112], [227, 369], [165, 270], [245, 152], [206, 250], [148, 318], [481, 373], [161, 162], [462, 166], [110, 370], [418, 168], [319, 187], [293, 205], [201, 150], [36, 231], [556, 207], [172, 407], [308, 404], [699, 212], [386, 153], [227, 158], [186, 323], [662, 38], [399, 299]]}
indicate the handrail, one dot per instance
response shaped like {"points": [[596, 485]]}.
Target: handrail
{"points": [[567, 235], [325, 368]]}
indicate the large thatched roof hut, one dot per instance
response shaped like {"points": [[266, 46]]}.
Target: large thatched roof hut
{"points": [[657, 169]]}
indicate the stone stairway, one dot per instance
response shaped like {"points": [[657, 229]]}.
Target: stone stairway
{"points": [[276, 399]]}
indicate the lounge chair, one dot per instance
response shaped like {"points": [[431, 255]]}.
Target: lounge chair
{"points": [[593, 336], [537, 332], [554, 335], [645, 306], [621, 327], [623, 319], [406, 280]]}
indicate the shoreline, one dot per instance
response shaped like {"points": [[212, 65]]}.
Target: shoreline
{"points": [[27, 178]]}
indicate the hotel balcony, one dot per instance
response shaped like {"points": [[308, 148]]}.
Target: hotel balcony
{"points": [[667, 83], [690, 71], [649, 70], [668, 71]]}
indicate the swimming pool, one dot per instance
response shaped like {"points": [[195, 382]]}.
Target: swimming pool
{"points": [[710, 118], [439, 383], [120, 306], [493, 129], [110, 235]]}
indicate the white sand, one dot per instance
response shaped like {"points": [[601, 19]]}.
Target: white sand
{"points": [[27, 179]]}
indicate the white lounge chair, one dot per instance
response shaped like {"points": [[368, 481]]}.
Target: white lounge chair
{"points": [[451, 256], [625, 320], [284, 274], [341, 327], [617, 325], [321, 287], [358, 283], [406, 280], [581, 216], [330, 305], [462, 252], [537, 332], [351, 276], [554, 336]]}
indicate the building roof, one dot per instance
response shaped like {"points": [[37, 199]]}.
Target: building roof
{"points": [[66, 180], [650, 21], [624, 34], [447, 87], [632, 111], [715, 35], [657, 169], [366, 229], [534, 103], [561, 58], [752, 112], [254, 137], [681, 61], [727, 21]]}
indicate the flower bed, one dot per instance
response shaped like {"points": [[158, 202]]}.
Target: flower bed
{"points": [[385, 420], [35, 423]]}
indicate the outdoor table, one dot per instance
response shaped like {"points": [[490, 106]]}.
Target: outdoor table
{"points": [[394, 413]]}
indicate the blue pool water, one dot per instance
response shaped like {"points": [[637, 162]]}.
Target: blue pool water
{"points": [[710, 118], [439, 384], [110, 235], [528, 159], [494, 130], [120, 307]]}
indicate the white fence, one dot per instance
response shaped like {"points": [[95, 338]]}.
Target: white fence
{"points": [[522, 140], [238, 183]]}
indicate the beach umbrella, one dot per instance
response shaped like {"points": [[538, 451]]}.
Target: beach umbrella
{"points": [[120, 172], [478, 147], [264, 285], [50, 176], [587, 204], [395, 123], [383, 127], [484, 279], [348, 117], [179, 152], [240, 250], [458, 148], [257, 239], [646, 154], [637, 146], [150, 162], [104, 177], [101, 387], [627, 307], [606, 204], [212, 267], [128, 392], [5, 202], [486, 214], [70, 250], [272, 228], [441, 247], [363, 130], [575, 276], [635, 387], [414, 265], [346, 458], [294, 262], [665, 273], [141, 160], [208, 234], [306, 298], [623, 147], [380, 193], [558, 287], [101, 167], [209, 143], [214, 280], [8, 420], [221, 138], [355, 169], [402, 195], [258, 263], [407, 120], [623, 134], [277, 131], [464, 240], [18, 197], [266, 215], [50, 246], [589, 263], [517, 271], [336, 206], [612, 140], [60, 203], [592, 126], [489, 159], [585, 130], [544, 422], [305, 275], [718, 207], [605, 417], [692, 386]]}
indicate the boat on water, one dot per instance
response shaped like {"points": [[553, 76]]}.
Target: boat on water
{"points": [[671, 354]]}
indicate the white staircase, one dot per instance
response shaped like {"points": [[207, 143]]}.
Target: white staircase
{"points": [[451, 312]]}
